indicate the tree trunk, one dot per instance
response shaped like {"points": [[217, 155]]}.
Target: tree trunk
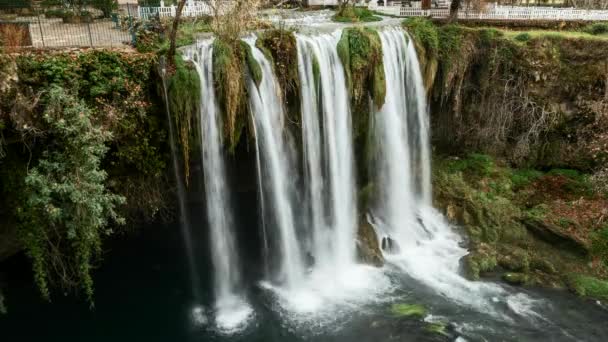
{"points": [[173, 36], [454, 6], [426, 4]]}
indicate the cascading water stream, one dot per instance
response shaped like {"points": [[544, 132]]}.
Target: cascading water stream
{"points": [[275, 168], [429, 249], [231, 309], [181, 194], [328, 151]]}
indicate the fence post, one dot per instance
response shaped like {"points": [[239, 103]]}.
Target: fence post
{"points": [[40, 26], [90, 35]]}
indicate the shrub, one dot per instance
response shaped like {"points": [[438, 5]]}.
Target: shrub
{"points": [[475, 163], [596, 28], [425, 32], [351, 14], [522, 178], [589, 287], [67, 208], [105, 6], [599, 244], [523, 37]]}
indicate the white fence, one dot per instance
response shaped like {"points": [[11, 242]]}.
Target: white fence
{"points": [[191, 9], [498, 12]]}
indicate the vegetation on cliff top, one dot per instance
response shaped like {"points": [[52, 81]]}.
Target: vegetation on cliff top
{"points": [[353, 14], [535, 98], [80, 137]]}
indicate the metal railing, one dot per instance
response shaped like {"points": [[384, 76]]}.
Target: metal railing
{"points": [[88, 25], [499, 12]]}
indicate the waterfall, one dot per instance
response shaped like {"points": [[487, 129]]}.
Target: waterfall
{"points": [[181, 194], [328, 151], [232, 309], [429, 248], [275, 169]]}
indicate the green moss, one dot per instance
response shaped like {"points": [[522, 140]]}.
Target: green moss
{"points": [[596, 28], [360, 50], [352, 14], [184, 92], [515, 278], [255, 70], [599, 244], [437, 328], [408, 310], [480, 262], [316, 70], [425, 32], [522, 37], [281, 46], [524, 177], [230, 87], [586, 286]]}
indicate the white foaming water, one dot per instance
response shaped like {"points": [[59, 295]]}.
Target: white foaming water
{"points": [[328, 151], [335, 285], [272, 149], [429, 248], [230, 307]]}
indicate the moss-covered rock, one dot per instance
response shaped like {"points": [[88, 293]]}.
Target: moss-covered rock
{"points": [[184, 96], [494, 92], [477, 192], [368, 250], [408, 310], [281, 46], [515, 278], [588, 286], [230, 86]]}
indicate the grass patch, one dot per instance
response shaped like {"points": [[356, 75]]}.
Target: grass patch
{"points": [[586, 286], [475, 163], [408, 310], [352, 14], [425, 32], [524, 177], [539, 34], [596, 29]]}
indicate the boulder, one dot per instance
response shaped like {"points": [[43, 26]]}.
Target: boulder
{"points": [[515, 278], [368, 250], [555, 236]]}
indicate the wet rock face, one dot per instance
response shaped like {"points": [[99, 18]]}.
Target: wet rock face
{"points": [[368, 250], [390, 246]]}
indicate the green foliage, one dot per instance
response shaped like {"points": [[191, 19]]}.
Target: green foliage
{"points": [[425, 32], [360, 50], [281, 46], [255, 70], [596, 28], [599, 244], [228, 77], [105, 6], [450, 45], [438, 328], [352, 14], [68, 208], [589, 286], [475, 163], [523, 37], [189, 30], [408, 310], [184, 92], [524, 177], [577, 182]]}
